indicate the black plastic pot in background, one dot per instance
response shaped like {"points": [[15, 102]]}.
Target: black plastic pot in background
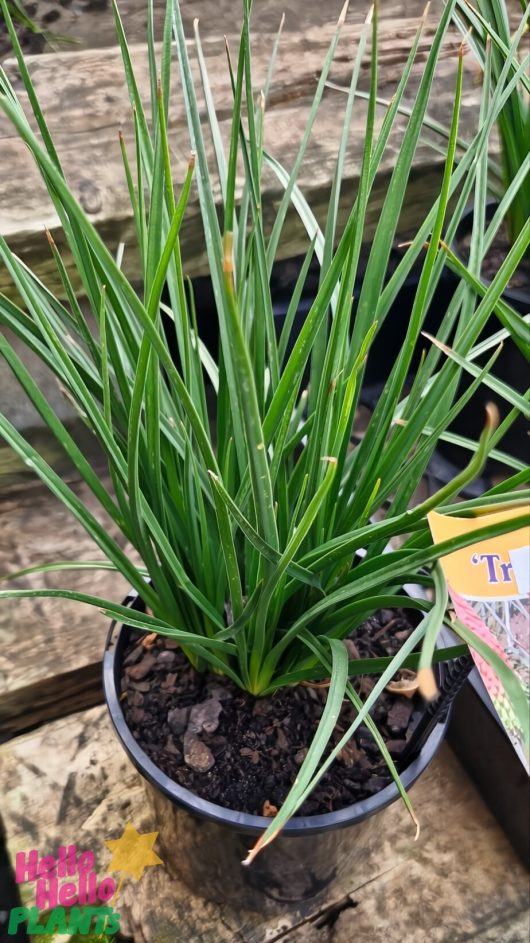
{"points": [[486, 753], [204, 844], [479, 740], [385, 345], [510, 366]]}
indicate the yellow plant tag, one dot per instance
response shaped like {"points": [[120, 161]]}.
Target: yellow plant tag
{"points": [[489, 585]]}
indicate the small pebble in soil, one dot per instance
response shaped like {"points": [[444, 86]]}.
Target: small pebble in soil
{"points": [[139, 671], [143, 686], [178, 719], [197, 755], [349, 755], [134, 655], [219, 693], [170, 747], [169, 683], [166, 658], [399, 715], [205, 716]]}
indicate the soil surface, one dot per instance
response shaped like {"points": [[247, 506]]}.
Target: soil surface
{"points": [[243, 752]]}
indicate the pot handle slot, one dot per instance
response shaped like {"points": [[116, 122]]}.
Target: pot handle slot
{"points": [[454, 677]]}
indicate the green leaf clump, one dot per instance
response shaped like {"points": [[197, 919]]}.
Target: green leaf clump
{"points": [[241, 482]]}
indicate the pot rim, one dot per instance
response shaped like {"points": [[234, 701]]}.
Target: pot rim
{"points": [[244, 821]]}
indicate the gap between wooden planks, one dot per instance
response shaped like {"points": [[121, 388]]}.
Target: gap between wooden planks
{"points": [[85, 101]]}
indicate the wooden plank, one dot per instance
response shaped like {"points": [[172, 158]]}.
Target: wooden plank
{"points": [[85, 102], [89, 24], [70, 783], [50, 699], [44, 638]]}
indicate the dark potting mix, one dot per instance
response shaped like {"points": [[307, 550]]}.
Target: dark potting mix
{"points": [[244, 752]]}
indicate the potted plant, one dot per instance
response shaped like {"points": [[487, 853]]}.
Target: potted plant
{"points": [[261, 530]]}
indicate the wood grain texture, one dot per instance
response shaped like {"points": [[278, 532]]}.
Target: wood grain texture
{"points": [[70, 783], [42, 638], [50, 699], [89, 24], [85, 102]]}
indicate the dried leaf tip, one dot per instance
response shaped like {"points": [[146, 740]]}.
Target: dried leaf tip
{"points": [[425, 13], [191, 160], [492, 417], [329, 458], [49, 237], [343, 12], [369, 16], [427, 684], [253, 853], [434, 340]]}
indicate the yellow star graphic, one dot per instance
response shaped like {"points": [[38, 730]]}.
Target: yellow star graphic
{"points": [[133, 853]]}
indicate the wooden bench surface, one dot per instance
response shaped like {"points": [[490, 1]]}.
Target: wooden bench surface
{"points": [[69, 782], [85, 101]]}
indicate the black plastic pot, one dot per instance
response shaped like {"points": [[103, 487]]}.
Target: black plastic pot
{"points": [[486, 753], [479, 739], [389, 337], [518, 298], [204, 844]]}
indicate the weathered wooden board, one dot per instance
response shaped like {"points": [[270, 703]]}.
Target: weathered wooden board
{"points": [[49, 699], [69, 783], [42, 639], [89, 24], [85, 102]]}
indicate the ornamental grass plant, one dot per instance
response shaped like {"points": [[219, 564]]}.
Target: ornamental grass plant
{"points": [[488, 31], [248, 518]]}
